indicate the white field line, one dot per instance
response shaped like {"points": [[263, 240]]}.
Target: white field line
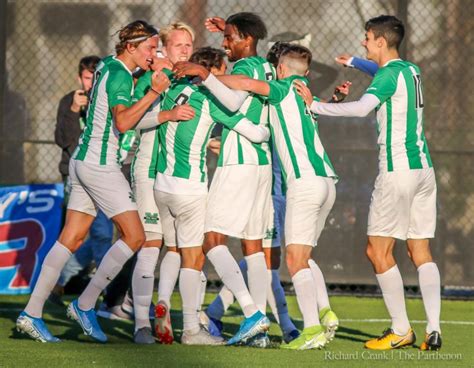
{"points": [[364, 320]]}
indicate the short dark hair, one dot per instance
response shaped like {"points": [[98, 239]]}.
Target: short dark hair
{"points": [[389, 27], [297, 52], [248, 24], [275, 51], [88, 63], [208, 57]]}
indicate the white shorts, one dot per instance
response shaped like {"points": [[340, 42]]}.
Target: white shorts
{"points": [[403, 205], [182, 218], [274, 235], [142, 187], [240, 201], [308, 203], [96, 186]]}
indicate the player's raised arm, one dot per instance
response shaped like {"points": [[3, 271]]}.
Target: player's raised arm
{"points": [[230, 98], [366, 66], [215, 24], [360, 108], [126, 117]]}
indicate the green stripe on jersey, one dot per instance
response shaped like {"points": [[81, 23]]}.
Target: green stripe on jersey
{"points": [[402, 141], [113, 85], [184, 144], [236, 150], [295, 133]]}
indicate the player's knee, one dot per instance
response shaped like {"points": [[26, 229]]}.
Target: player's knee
{"points": [[135, 241]]}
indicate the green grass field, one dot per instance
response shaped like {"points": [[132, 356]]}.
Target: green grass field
{"points": [[361, 318]]}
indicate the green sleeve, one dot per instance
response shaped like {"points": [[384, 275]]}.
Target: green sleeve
{"points": [[278, 91], [383, 85], [142, 86], [220, 114], [119, 88]]}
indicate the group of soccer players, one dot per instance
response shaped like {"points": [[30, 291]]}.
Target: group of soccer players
{"points": [[274, 181]]}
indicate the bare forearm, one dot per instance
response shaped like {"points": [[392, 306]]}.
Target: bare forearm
{"points": [[127, 118]]}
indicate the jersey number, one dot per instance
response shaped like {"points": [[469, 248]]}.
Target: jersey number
{"points": [[418, 92], [181, 99], [93, 92], [269, 76]]}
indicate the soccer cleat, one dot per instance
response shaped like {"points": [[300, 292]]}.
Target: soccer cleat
{"points": [[163, 328], [255, 324], [201, 337], [127, 307], [290, 336], [311, 338], [35, 328], [87, 320], [330, 322], [214, 326], [144, 336], [260, 340], [432, 341], [114, 313], [389, 340]]}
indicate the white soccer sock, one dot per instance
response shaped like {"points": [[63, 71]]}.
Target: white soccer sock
{"points": [[53, 263], [142, 285], [169, 271], [391, 284], [321, 291], [305, 290], [230, 274], [202, 290], [109, 267], [189, 282], [430, 286], [277, 301], [257, 276], [225, 298]]}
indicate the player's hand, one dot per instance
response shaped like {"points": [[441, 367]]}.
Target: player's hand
{"points": [[341, 91], [159, 82], [159, 64], [215, 24], [184, 68], [182, 113], [79, 100], [214, 146], [343, 59], [304, 92]]}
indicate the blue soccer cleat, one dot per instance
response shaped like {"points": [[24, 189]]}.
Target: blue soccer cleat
{"points": [[255, 324], [87, 320], [212, 325], [35, 328]]}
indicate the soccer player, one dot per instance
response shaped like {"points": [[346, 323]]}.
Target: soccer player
{"points": [[403, 202], [309, 176], [97, 182], [239, 203], [181, 190]]}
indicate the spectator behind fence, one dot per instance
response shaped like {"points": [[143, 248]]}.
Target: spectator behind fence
{"points": [[70, 122]]}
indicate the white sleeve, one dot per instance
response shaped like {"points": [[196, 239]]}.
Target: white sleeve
{"points": [[254, 133], [232, 99], [360, 108], [150, 119]]}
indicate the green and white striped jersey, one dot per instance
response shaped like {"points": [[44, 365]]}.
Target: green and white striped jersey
{"points": [[146, 156], [183, 145], [401, 137], [113, 85], [235, 149], [295, 133]]}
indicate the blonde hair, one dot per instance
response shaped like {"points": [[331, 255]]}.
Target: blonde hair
{"points": [[176, 26], [134, 33]]}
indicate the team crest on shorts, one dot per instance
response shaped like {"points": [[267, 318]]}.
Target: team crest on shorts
{"points": [[151, 218], [271, 233]]}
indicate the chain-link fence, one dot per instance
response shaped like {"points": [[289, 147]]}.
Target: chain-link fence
{"points": [[42, 41]]}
